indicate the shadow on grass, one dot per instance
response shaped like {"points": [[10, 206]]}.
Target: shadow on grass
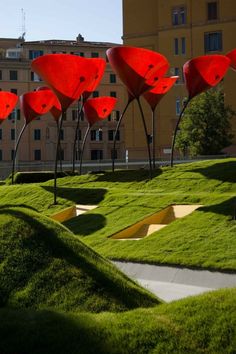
{"points": [[127, 175], [227, 208], [29, 247], [84, 196], [48, 332], [224, 171], [86, 224]]}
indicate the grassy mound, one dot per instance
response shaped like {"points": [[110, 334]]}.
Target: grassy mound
{"points": [[203, 324], [42, 265]]}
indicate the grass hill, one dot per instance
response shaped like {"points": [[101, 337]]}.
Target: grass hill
{"points": [[204, 324], [42, 265]]}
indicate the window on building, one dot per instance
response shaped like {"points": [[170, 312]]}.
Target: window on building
{"points": [[179, 15], [12, 154], [13, 74], [0, 74], [96, 135], [81, 54], [79, 134], [74, 113], [37, 134], [13, 90], [117, 115], [177, 72], [0, 134], [61, 155], [35, 54], [94, 55], [113, 93], [113, 154], [18, 114], [96, 154], [176, 46], [62, 134], [12, 115], [34, 77], [213, 42], [111, 135], [212, 10], [37, 155], [112, 78], [13, 134], [95, 94], [0, 155], [177, 106], [183, 45]]}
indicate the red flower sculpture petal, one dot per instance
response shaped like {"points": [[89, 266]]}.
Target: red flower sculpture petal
{"points": [[204, 72], [36, 103], [100, 68], [154, 96], [8, 102], [232, 56], [68, 75], [138, 68], [56, 108], [98, 108]]}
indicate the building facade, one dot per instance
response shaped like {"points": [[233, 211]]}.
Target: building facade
{"points": [[181, 30], [39, 141]]}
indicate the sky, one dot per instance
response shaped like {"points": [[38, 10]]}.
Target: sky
{"points": [[96, 20]]}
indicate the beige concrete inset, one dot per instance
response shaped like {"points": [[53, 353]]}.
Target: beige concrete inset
{"points": [[72, 212], [155, 222]]}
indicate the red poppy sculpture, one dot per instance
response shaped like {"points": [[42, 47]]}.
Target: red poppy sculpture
{"points": [[100, 65], [33, 104], [139, 69], [96, 110], [8, 101], [153, 97], [232, 56], [201, 74], [68, 76]]}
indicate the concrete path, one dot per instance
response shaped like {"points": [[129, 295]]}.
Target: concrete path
{"points": [[171, 283]]}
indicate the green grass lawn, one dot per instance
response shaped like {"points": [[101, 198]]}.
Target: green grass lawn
{"points": [[204, 324], [204, 239]]}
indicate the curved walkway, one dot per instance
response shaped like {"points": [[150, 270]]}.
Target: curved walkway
{"points": [[172, 283]]}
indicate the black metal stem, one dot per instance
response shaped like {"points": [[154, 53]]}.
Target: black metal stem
{"points": [[153, 139], [15, 152], [116, 133], [147, 138], [76, 136], [82, 149], [57, 153], [175, 132], [59, 147]]}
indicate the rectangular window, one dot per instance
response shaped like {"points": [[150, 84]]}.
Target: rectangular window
{"points": [[37, 155], [96, 135], [62, 134], [183, 46], [61, 154], [34, 77], [113, 93], [74, 114], [13, 135], [177, 73], [12, 154], [176, 46], [95, 94], [37, 134], [212, 13], [0, 155], [96, 154], [177, 107], [14, 91], [179, 15], [18, 114], [213, 42], [13, 75], [12, 115], [112, 78], [35, 54], [94, 55], [0, 74], [113, 154], [117, 115], [0, 134], [111, 135]]}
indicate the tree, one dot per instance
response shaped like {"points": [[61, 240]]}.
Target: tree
{"points": [[206, 127]]}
